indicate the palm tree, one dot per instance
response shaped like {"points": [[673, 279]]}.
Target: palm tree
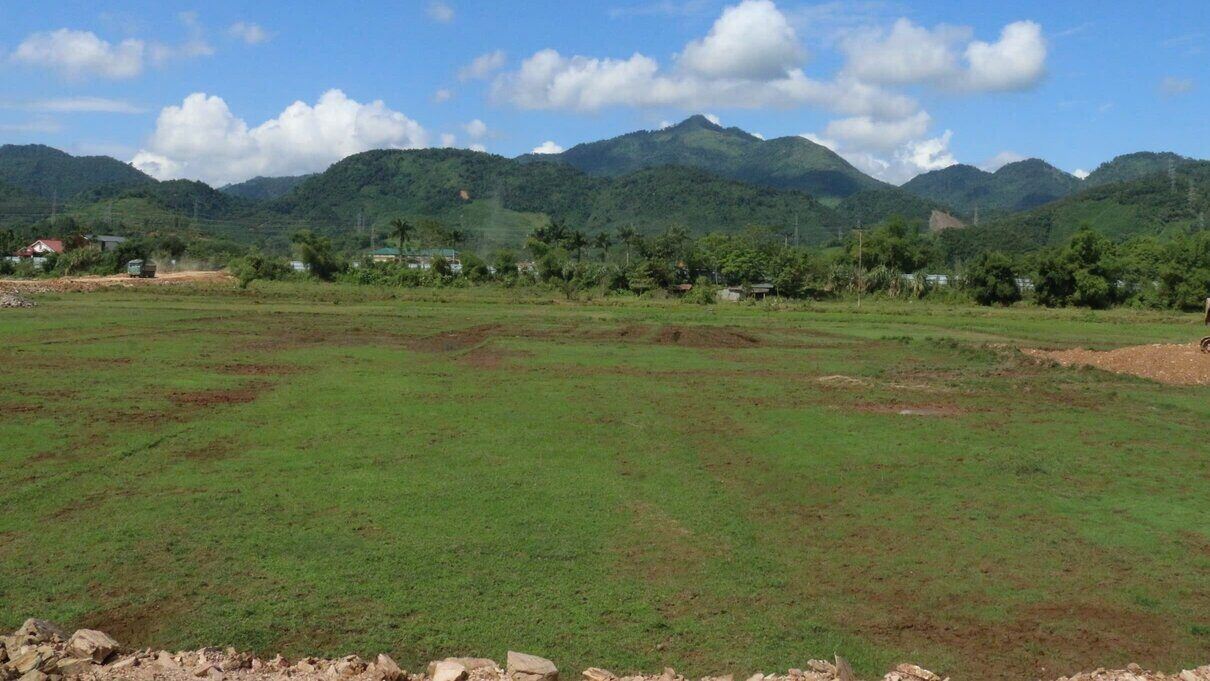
{"points": [[603, 242], [677, 236], [627, 235], [400, 228], [576, 241]]}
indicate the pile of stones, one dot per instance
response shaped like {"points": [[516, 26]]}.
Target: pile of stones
{"points": [[41, 651]]}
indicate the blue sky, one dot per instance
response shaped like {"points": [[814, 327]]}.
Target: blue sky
{"points": [[896, 87]]}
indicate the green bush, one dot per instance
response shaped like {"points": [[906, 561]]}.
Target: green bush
{"points": [[256, 265], [991, 280]]}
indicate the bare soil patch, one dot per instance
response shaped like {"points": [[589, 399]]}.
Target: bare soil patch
{"points": [[1171, 364], [453, 341], [705, 337], [93, 283], [217, 397]]}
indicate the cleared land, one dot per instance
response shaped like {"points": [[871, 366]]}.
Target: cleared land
{"points": [[305, 471]]}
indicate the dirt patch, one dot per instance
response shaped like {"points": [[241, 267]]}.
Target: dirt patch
{"points": [[705, 337], [93, 283], [908, 410], [490, 358], [217, 397], [254, 369], [1171, 364], [453, 341]]}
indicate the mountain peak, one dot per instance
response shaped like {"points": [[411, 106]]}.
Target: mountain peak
{"points": [[697, 121]]}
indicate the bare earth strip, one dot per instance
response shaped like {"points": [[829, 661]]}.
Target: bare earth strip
{"points": [[1174, 364]]}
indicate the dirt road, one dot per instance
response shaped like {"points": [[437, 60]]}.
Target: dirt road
{"points": [[92, 282]]}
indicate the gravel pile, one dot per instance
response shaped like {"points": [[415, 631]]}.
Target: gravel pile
{"points": [[14, 300], [41, 651]]}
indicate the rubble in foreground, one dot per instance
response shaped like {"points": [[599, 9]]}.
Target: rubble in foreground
{"points": [[41, 651]]}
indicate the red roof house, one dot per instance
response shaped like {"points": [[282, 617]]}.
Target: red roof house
{"points": [[40, 248]]}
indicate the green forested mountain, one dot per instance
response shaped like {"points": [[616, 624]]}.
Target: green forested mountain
{"points": [[264, 188], [19, 206], [783, 163], [53, 174], [1156, 204], [497, 197], [1016, 186], [1134, 166]]}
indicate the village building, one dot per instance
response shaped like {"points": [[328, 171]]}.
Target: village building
{"points": [[418, 259], [41, 248]]}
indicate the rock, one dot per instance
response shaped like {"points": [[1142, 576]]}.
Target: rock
{"points": [[350, 665], [385, 669], [844, 671], [38, 631], [90, 644], [72, 666], [165, 661], [233, 659], [1134, 668], [209, 670], [598, 674], [526, 667], [34, 675], [913, 671], [449, 670], [125, 662], [28, 661], [471, 663], [1188, 675], [13, 300]]}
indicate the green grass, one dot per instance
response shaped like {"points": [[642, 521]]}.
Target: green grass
{"points": [[316, 470]]}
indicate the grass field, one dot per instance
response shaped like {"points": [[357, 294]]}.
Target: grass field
{"points": [[718, 489]]}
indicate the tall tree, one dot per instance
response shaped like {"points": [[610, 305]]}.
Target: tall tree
{"points": [[576, 241], [627, 236], [603, 241], [400, 228]]}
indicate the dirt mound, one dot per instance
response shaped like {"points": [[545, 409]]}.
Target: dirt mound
{"points": [[705, 337], [41, 651], [93, 283], [1172, 364]]}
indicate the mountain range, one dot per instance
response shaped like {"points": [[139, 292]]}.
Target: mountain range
{"points": [[696, 174]]}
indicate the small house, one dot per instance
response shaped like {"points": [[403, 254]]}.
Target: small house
{"points": [[105, 243], [41, 248], [418, 259], [749, 291]]}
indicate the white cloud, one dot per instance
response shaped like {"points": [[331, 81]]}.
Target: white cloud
{"points": [[248, 32], [913, 54], [1081, 173], [195, 44], [203, 139], [713, 119], [547, 147], [79, 54], [1015, 62], [442, 95], [1172, 86], [476, 129], [548, 80], [907, 54], [483, 66], [1000, 160], [39, 126], [901, 164], [448, 139], [77, 105], [751, 40], [759, 136], [440, 12], [864, 132], [478, 147]]}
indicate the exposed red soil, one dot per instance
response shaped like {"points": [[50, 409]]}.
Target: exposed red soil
{"points": [[92, 283], [453, 341], [705, 337], [217, 397], [1171, 364]]}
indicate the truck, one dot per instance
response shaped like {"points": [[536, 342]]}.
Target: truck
{"points": [[141, 269]]}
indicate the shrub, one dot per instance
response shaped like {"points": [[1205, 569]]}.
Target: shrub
{"points": [[992, 281], [257, 265]]}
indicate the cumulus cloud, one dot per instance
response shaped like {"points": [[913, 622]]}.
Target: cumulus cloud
{"points": [[1081, 173], [440, 12], [713, 119], [864, 132], [79, 54], [442, 95], [202, 139], [908, 53], [483, 66], [752, 40], [194, 45], [1170, 86], [1000, 160], [250, 33], [476, 129], [898, 165], [547, 147]]}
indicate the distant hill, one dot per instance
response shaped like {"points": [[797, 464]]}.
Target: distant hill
{"points": [[1134, 166], [461, 186], [264, 188], [1156, 204], [1015, 187], [783, 163], [19, 206], [56, 175]]}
